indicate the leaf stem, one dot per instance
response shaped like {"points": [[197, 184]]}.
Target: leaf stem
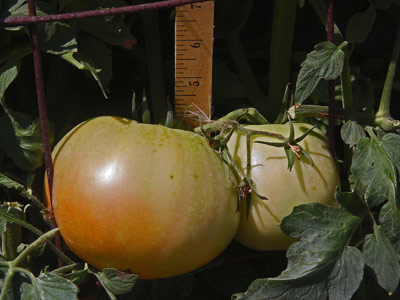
{"points": [[13, 265], [245, 72], [154, 64], [31, 247], [331, 84], [384, 105], [283, 21], [7, 282]]}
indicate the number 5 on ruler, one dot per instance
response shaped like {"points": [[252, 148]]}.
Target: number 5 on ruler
{"points": [[194, 27]]}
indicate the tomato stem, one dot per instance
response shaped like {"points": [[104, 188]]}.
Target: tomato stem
{"points": [[283, 22], [331, 83], [384, 105]]}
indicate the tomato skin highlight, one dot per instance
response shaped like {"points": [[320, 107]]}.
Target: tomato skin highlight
{"points": [[284, 189], [142, 198]]}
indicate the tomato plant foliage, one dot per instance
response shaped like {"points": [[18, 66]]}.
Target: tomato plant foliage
{"points": [[122, 65]]}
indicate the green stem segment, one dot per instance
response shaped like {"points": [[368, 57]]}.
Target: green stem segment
{"points": [[281, 50], [13, 265], [244, 70], [384, 105], [154, 64]]}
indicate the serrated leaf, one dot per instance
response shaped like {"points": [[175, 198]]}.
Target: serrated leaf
{"points": [[12, 184], [83, 63], [49, 286], [389, 219], [111, 30], [19, 283], [352, 132], [57, 38], [346, 275], [360, 24], [99, 54], [391, 143], [325, 62], [20, 139], [10, 214], [77, 277], [373, 172], [117, 282], [8, 72], [324, 234], [380, 255], [8, 6]]}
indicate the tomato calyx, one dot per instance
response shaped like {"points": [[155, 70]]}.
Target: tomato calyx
{"points": [[291, 146], [218, 134]]}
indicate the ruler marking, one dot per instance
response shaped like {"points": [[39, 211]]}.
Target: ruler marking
{"points": [[188, 40], [190, 77], [193, 59]]}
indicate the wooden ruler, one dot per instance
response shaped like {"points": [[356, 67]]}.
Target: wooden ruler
{"points": [[194, 27]]}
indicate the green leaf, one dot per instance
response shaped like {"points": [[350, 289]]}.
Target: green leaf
{"points": [[360, 24], [352, 202], [374, 173], [8, 72], [11, 184], [318, 264], [389, 219], [380, 255], [77, 277], [99, 55], [57, 38], [8, 6], [10, 214], [391, 143], [83, 63], [49, 286], [346, 275], [19, 283], [111, 30], [115, 281], [325, 62], [352, 132], [21, 140]]}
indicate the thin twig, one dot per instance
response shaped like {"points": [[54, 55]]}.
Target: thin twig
{"points": [[331, 84], [95, 13]]}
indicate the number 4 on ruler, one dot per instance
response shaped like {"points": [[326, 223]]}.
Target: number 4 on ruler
{"points": [[194, 27]]}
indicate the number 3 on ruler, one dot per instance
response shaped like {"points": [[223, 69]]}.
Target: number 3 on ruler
{"points": [[194, 26]]}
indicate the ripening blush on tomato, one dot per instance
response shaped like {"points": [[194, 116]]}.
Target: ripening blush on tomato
{"points": [[305, 183], [142, 198]]}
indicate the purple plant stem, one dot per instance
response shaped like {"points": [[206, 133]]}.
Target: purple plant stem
{"points": [[331, 83], [37, 63], [33, 19]]}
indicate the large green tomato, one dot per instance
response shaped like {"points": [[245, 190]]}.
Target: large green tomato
{"points": [[284, 189], [142, 198]]}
